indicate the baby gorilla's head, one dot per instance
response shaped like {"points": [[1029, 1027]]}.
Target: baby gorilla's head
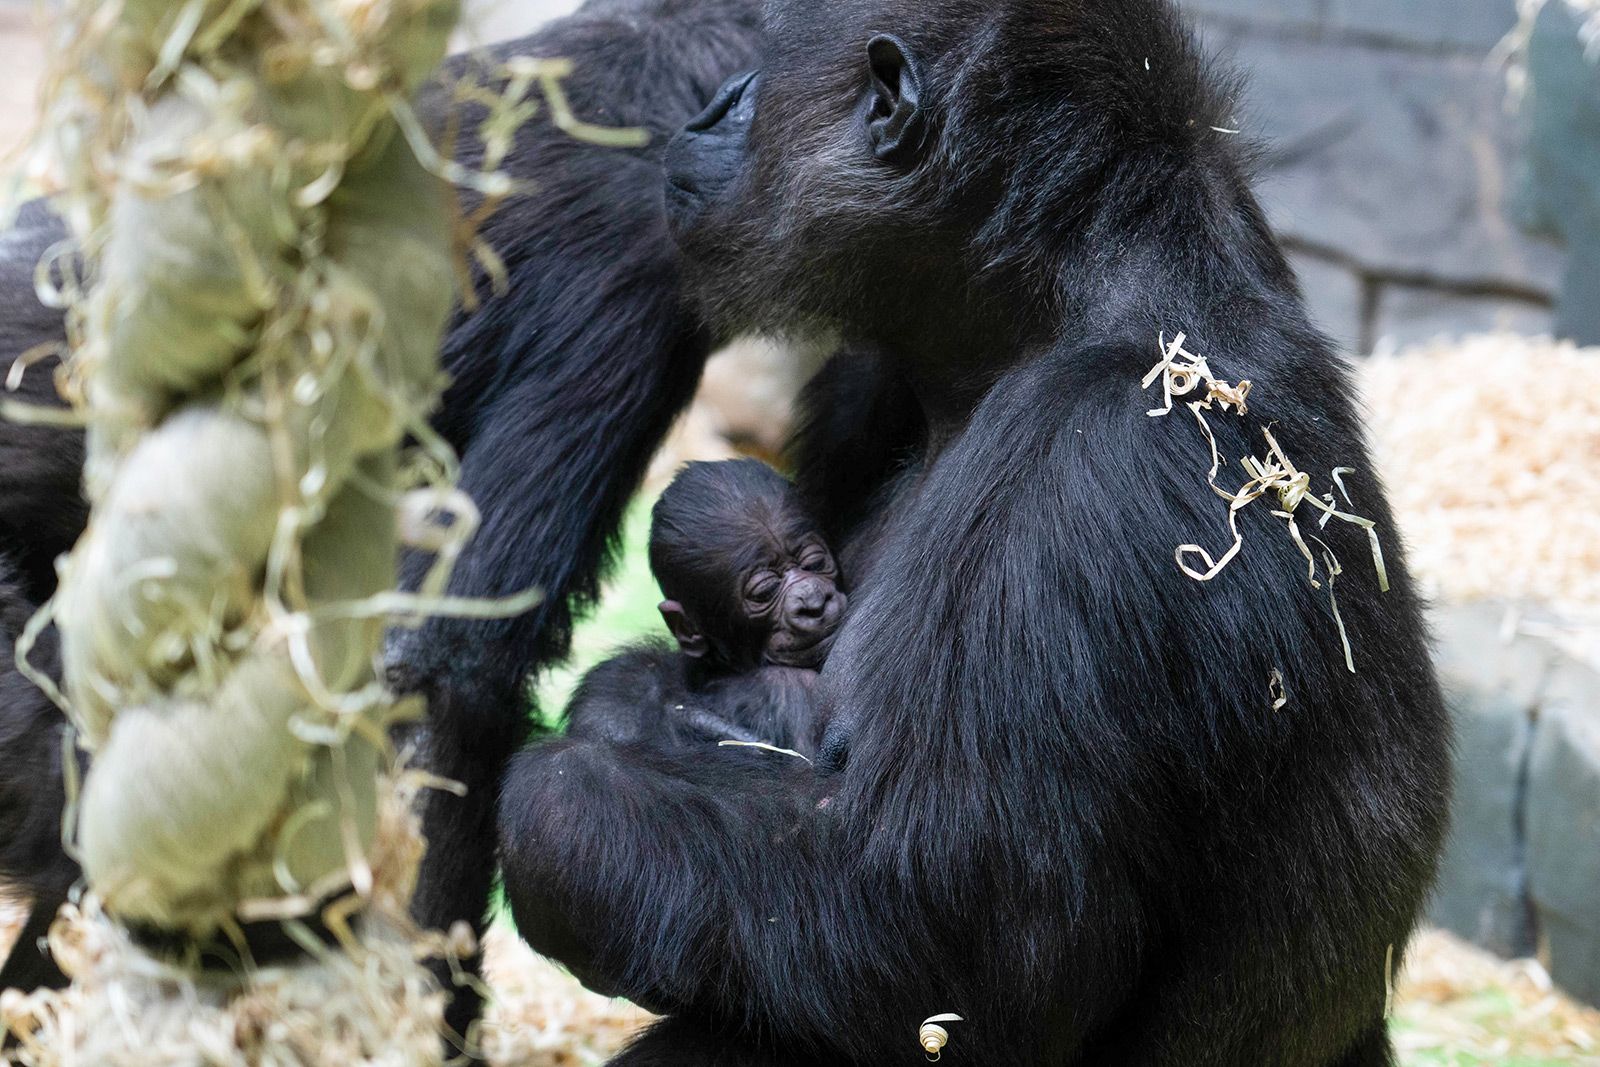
{"points": [[749, 581]]}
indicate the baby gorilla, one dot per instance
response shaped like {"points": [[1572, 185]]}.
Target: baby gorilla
{"points": [[753, 599]]}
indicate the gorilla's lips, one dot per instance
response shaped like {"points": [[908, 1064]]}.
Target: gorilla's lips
{"points": [[805, 651]]}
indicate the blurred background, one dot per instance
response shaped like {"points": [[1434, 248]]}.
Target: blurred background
{"points": [[1434, 169]]}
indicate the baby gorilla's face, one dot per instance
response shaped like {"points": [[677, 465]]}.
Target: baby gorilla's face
{"points": [[796, 599], [749, 578]]}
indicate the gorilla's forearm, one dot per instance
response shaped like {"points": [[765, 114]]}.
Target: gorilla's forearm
{"points": [[709, 884]]}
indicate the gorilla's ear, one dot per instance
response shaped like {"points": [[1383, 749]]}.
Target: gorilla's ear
{"points": [[690, 639], [896, 122]]}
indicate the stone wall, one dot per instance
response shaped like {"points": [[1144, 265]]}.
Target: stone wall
{"points": [[1521, 873], [1392, 162]]}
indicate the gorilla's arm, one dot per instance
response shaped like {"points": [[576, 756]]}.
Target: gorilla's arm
{"points": [[859, 429], [643, 695], [42, 509], [563, 387], [33, 795]]}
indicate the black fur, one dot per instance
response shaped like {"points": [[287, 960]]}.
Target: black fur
{"points": [[562, 389], [861, 432], [32, 791], [647, 695], [42, 509], [1070, 812]]}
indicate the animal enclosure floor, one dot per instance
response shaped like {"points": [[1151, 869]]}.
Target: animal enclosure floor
{"points": [[1456, 1007]]}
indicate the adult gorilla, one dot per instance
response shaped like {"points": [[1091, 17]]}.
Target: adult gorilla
{"points": [[1070, 812]]}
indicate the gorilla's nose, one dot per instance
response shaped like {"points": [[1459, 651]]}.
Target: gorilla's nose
{"points": [[814, 605], [734, 101], [706, 157]]}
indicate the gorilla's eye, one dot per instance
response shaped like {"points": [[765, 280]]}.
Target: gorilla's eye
{"points": [[816, 560], [762, 588]]}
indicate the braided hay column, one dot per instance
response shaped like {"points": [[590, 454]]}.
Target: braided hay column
{"points": [[265, 272]]}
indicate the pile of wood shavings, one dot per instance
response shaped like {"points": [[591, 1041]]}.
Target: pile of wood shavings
{"points": [[542, 1017], [1490, 450], [1455, 1004], [1454, 1001], [371, 1005], [1460, 1005]]}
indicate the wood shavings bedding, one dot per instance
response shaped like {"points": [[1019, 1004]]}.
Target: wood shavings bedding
{"points": [[1490, 450], [12, 916], [542, 1017], [1460, 1005], [1454, 1004]]}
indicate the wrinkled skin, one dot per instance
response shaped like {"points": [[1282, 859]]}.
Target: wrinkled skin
{"points": [[748, 577]]}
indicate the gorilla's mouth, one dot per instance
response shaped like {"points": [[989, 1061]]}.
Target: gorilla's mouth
{"points": [[806, 651]]}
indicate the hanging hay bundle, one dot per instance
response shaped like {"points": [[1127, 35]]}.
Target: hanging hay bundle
{"points": [[366, 1003], [261, 272]]}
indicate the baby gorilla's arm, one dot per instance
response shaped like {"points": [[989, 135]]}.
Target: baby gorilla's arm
{"points": [[625, 697], [643, 695], [716, 727]]}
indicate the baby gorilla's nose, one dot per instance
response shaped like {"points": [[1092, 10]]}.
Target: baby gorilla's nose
{"points": [[812, 603]]}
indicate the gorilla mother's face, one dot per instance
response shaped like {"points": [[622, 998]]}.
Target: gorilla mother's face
{"points": [[791, 194]]}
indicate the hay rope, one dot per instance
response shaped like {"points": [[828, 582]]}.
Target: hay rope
{"points": [[260, 274], [369, 1004]]}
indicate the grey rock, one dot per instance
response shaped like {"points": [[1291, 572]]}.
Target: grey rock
{"points": [[1333, 295], [1393, 163], [1564, 830], [1481, 891], [1578, 309], [1473, 654], [1492, 686], [1306, 14], [1467, 24], [1407, 315], [1563, 163]]}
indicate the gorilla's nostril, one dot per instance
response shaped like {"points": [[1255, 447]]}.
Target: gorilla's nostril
{"points": [[728, 97]]}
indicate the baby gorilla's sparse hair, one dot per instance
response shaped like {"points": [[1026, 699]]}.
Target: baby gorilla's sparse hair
{"points": [[747, 576]]}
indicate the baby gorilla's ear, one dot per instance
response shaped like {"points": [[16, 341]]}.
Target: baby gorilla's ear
{"points": [[690, 639]]}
